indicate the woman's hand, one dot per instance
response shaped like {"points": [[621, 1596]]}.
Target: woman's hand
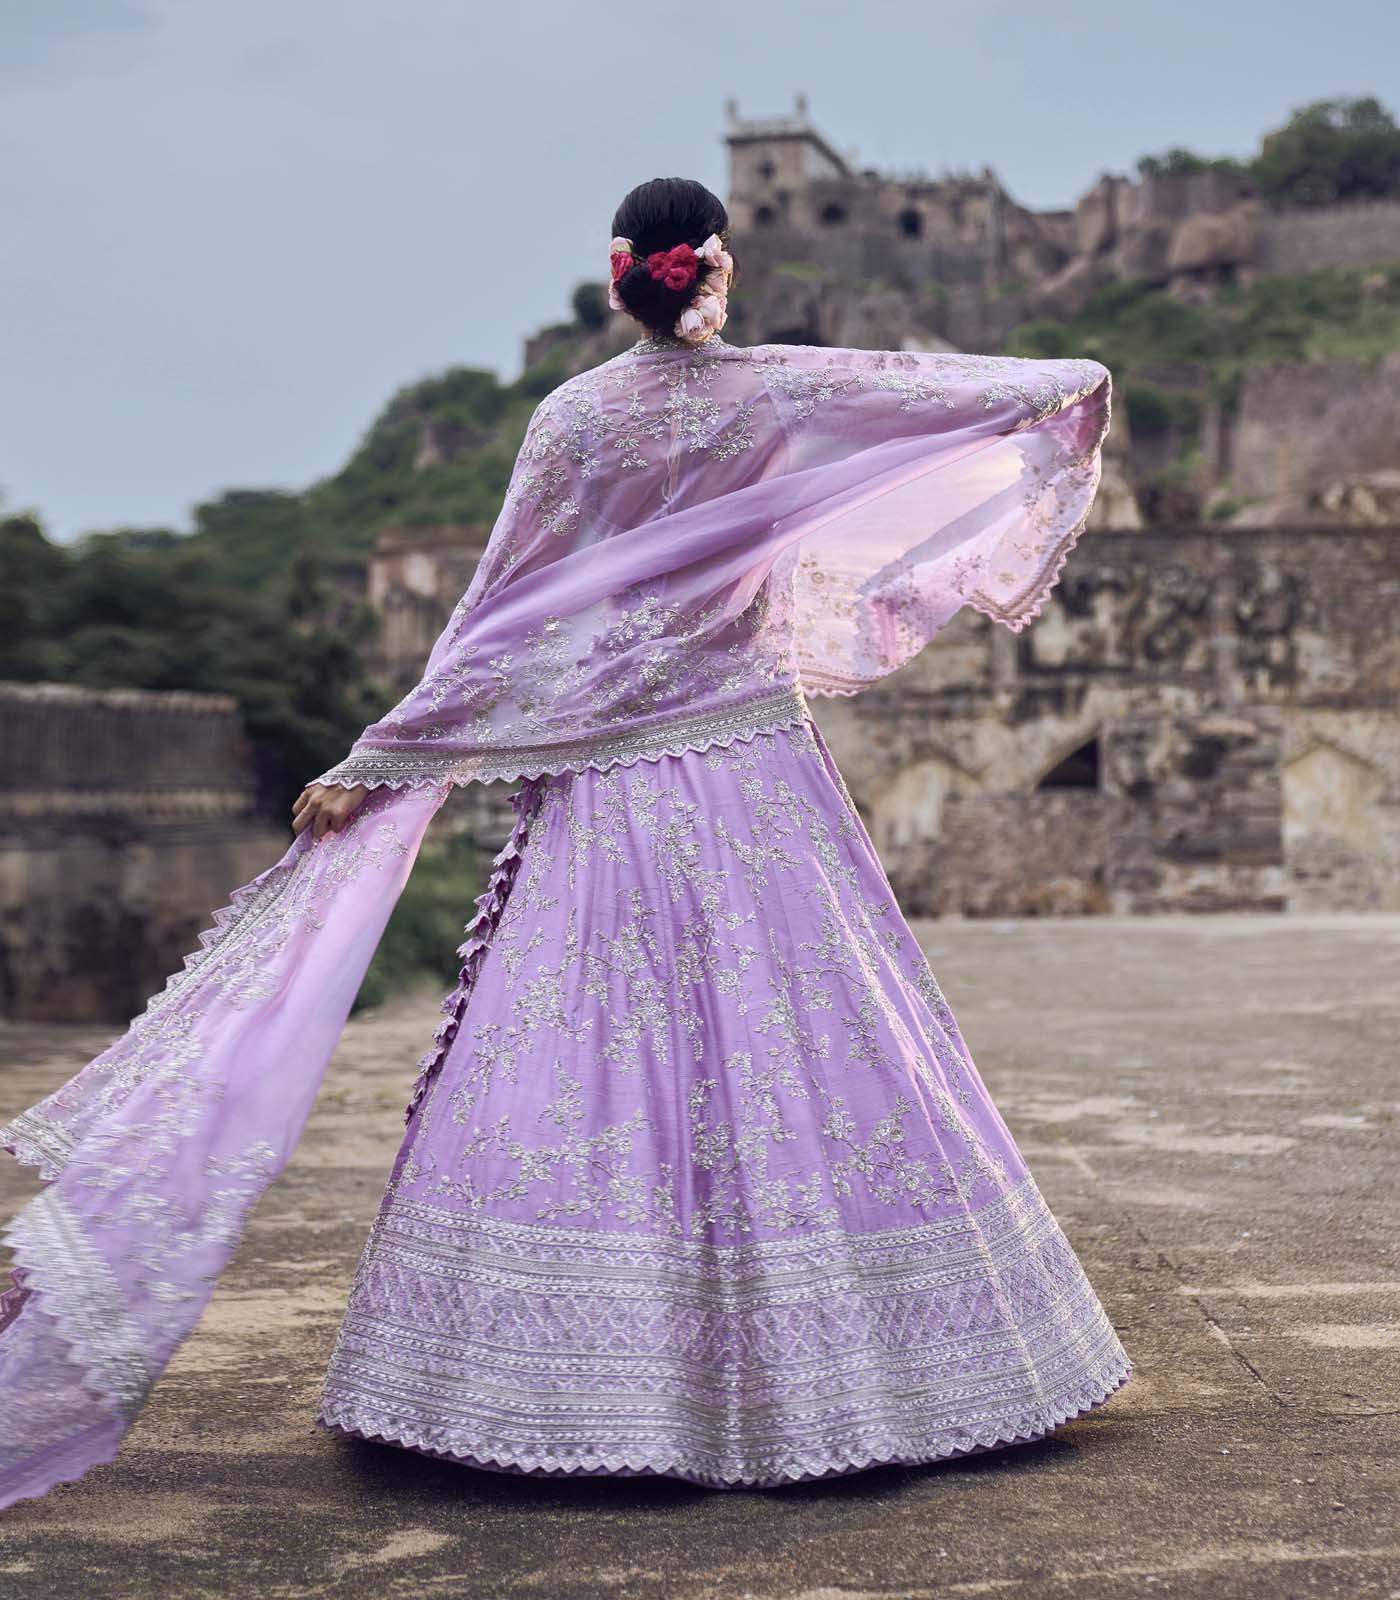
{"points": [[326, 807]]}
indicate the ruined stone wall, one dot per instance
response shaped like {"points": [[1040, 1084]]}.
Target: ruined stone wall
{"points": [[1355, 233], [1299, 429], [126, 819], [1242, 690], [415, 577]]}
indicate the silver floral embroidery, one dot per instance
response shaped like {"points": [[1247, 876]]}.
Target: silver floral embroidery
{"points": [[704, 1361], [613, 987]]}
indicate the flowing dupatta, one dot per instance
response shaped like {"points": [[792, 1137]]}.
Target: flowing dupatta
{"points": [[692, 539]]}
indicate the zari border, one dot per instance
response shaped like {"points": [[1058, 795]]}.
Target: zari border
{"points": [[75, 1288], [910, 1345], [383, 767], [36, 1142]]}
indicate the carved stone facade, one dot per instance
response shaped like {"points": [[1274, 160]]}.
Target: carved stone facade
{"points": [[126, 819]]}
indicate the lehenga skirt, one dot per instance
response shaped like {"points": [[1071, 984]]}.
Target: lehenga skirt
{"points": [[699, 1177]]}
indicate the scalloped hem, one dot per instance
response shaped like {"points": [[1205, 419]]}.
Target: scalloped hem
{"points": [[22, 1140], [1030, 606], [803, 1469]]}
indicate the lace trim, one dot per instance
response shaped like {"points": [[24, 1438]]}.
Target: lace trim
{"points": [[479, 931], [1028, 605], [893, 1450], [36, 1142], [47, 1145], [566, 1350], [55, 1261], [381, 766]]}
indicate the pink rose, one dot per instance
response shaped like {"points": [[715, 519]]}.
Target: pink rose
{"points": [[691, 324]]}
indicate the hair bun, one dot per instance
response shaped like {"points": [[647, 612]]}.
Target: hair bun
{"points": [[657, 217], [649, 299]]}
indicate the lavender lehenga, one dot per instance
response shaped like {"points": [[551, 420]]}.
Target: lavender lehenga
{"points": [[699, 1177]]}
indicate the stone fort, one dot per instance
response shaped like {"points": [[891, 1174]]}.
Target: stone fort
{"points": [[1206, 717], [955, 258]]}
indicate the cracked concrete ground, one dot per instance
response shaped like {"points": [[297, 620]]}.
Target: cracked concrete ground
{"points": [[1210, 1106]]}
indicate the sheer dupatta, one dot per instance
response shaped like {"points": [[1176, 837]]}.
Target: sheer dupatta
{"points": [[691, 540], [694, 537]]}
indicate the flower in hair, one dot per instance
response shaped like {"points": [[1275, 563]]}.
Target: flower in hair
{"points": [[622, 259], [677, 267], [709, 310]]}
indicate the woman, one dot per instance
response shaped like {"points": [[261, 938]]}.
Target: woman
{"points": [[699, 1177]]}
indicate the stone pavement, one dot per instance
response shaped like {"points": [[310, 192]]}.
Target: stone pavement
{"points": [[1210, 1107]]}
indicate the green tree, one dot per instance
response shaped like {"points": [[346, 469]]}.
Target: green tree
{"points": [[1331, 150], [590, 305], [33, 575], [1181, 163]]}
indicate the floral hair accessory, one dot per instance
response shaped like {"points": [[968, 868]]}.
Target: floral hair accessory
{"points": [[622, 259], [677, 268], [710, 309]]}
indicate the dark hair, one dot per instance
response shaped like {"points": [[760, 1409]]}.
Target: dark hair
{"points": [[657, 216]]}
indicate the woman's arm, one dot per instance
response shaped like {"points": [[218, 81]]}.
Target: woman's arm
{"points": [[326, 808]]}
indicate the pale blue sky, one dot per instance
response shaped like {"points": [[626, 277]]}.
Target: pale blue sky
{"points": [[229, 229]]}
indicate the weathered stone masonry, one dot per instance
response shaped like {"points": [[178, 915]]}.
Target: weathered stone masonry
{"points": [[1201, 720], [126, 819]]}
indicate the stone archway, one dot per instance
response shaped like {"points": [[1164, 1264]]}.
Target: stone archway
{"points": [[1331, 837]]}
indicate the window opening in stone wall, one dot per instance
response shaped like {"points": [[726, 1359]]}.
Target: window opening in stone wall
{"points": [[832, 216], [1080, 769], [911, 223]]}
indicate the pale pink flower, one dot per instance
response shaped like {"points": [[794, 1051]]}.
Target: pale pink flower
{"points": [[691, 325]]}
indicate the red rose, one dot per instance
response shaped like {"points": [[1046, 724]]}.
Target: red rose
{"points": [[676, 268], [622, 264]]}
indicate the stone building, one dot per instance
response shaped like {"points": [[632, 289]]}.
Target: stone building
{"points": [[126, 819], [411, 576], [1203, 719], [955, 259]]}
